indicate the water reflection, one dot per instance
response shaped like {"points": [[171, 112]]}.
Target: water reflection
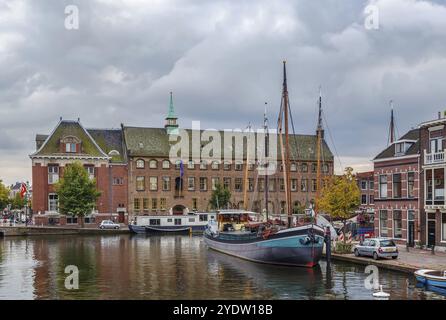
{"points": [[173, 267]]}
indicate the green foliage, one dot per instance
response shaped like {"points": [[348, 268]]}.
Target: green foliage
{"points": [[343, 247], [220, 197], [18, 202], [4, 196], [77, 193]]}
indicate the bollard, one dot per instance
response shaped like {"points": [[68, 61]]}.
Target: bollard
{"points": [[328, 245], [433, 249], [407, 246]]}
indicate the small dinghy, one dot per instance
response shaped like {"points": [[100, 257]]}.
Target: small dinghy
{"points": [[431, 277]]}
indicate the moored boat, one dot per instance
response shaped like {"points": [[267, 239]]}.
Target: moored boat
{"points": [[431, 277]]}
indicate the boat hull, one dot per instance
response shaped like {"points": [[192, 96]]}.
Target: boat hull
{"points": [[290, 247], [431, 278], [165, 229]]}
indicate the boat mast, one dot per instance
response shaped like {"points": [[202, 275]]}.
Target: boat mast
{"points": [[287, 146], [319, 133], [266, 164], [245, 183]]}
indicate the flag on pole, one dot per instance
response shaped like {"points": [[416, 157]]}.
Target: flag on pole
{"points": [[23, 190], [181, 168]]}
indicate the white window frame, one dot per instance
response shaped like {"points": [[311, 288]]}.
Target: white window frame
{"points": [[384, 184], [53, 175], [49, 202]]}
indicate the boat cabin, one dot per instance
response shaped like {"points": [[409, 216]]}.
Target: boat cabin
{"points": [[236, 220]]}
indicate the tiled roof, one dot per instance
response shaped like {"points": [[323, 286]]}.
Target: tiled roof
{"points": [[153, 142], [109, 140], [389, 152]]}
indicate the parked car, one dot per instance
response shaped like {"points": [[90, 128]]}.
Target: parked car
{"points": [[377, 248], [108, 224]]}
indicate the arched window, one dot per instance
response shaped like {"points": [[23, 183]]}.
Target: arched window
{"points": [[215, 165], [166, 164], [153, 164], [293, 166], [191, 164], [140, 164], [203, 164]]}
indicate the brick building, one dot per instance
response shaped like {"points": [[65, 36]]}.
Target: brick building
{"points": [[397, 190], [433, 163], [102, 153], [366, 185]]}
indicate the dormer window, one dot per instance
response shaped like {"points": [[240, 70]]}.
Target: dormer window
{"points": [[70, 147], [399, 148]]}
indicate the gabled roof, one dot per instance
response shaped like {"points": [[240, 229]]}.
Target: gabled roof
{"points": [[154, 142], [65, 128], [109, 140], [389, 152]]}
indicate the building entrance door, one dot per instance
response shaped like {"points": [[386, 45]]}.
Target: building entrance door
{"points": [[411, 234], [430, 233]]}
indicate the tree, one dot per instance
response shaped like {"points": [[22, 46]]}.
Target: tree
{"points": [[77, 192], [220, 197], [4, 196], [18, 202], [340, 196]]}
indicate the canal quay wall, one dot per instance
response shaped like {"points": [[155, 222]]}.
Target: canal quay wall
{"points": [[407, 262], [6, 231]]}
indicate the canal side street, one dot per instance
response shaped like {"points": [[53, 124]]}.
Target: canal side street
{"points": [[407, 262]]}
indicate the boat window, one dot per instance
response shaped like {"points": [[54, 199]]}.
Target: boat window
{"points": [[387, 243], [169, 220], [177, 222], [155, 222], [191, 219], [203, 217]]}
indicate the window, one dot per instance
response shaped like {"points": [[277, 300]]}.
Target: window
{"points": [[191, 220], [153, 183], [166, 164], [410, 184], [155, 222], [250, 184], [153, 164], [397, 185], [89, 220], [436, 145], [227, 183], [293, 184], [399, 148], [325, 168], [261, 184], [178, 164], [140, 183], [271, 185], [397, 224], [191, 183], [251, 166], [136, 204], [90, 171], [177, 222], [363, 185], [163, 204], [443, 226], [194, 204], [203, 165], [304, 167], [313, 185], [145, 204], [71, 220], [238, 184], [203, 217], [140, 164], [226, 165], [282, 207], [215, 165], [53, 202], [53, 174], [166, 183], [238, 166], [191, 164], [371, 185], [214, 182], [313, 167], [118, 181], [304, 185], [154, 204], [371, 199], [203, 183], [281, 184], [383, 186], [363, 199], [293, 166], [70, 147], [383, 223]]}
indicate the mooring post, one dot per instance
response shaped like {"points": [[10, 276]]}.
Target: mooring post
{"points": [[327, 244], [433, 249]]}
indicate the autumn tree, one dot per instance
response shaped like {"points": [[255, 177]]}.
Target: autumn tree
{"points": [[220, 197], [340, 197], [4, 196], [77, 192]]}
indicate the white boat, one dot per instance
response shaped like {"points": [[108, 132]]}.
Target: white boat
{"points": [[195, 222]]}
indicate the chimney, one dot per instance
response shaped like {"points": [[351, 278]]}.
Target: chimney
{"points": [[439, 115]]}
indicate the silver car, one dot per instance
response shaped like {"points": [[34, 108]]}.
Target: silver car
{"points": [[377, 248], [108, 224]]}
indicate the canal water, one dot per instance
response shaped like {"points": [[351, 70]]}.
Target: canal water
{"points": [[173, 267]]}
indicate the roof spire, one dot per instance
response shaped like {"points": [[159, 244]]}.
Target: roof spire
{"points": [[171, 119], [392, 135], [171, 113]]}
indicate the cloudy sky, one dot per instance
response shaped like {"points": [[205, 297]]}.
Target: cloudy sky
{"points": [[222, 60]]}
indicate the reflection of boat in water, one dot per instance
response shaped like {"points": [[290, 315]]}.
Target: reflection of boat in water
{"points": [[431, 277], [299, 284], [438, 290]]}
